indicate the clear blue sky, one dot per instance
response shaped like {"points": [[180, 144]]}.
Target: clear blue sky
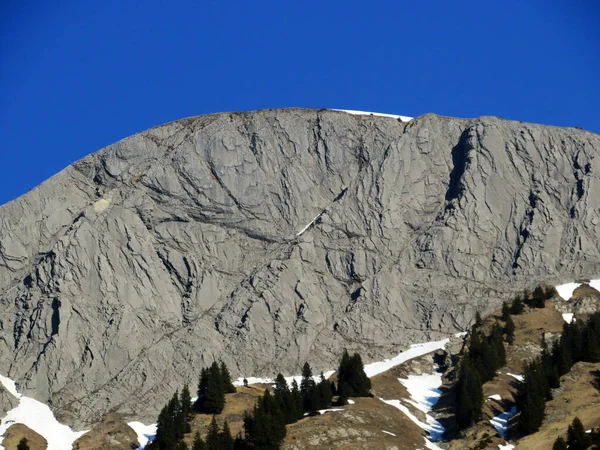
{"points": [[76, 76]]}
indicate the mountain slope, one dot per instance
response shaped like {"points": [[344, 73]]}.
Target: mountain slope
{"points": [[274, 237]]}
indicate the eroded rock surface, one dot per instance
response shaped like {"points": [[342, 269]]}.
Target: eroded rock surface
{"points": [[127, 272]]}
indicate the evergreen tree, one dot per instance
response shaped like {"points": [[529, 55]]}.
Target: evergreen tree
{"points": [[307, 388], [517, 306], [245, 382], [225, 439], [185, 416], [285, 400], [198, 442], [297, 401], [509, 330], [325, 392], [469, 400], [505, 311], [531, 397], [23, 445], [226, 379], [168, 429], [352, 379], [577, 439], [212, 436], [264, 426], [538, 298], [211, 391], [478, 321], [559, 444]]}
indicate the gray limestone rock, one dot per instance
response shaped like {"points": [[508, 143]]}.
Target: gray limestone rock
{"points": [[271, 238], [7, 401]]}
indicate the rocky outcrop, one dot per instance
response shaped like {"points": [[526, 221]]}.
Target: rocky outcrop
{"points": [[275, 237], [110, 434], [7, 401]]}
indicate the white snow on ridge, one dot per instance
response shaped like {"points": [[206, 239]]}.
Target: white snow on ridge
{"points": [[298, 378], [309, 224], [145, 433], [39, 418], [368, 113], [495, 397], [414, 351]]}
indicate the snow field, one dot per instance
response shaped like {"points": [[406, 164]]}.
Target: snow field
{"points": [[500, 422], [38, 417], [568, 317], [145, 433]]}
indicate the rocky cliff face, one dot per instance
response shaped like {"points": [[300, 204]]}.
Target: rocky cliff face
{"points": [[275, 237]]}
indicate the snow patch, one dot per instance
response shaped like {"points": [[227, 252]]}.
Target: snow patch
{"points": [[518, 377], [297, 378], [145, 433], [568, 317], [430, 445], [367, 113], [495, 397], [566, 290], [309, 224], [506, 447], [414, 351], [39, 418], [323, 411], [387, 432], [500, 422], [351, 402], [425, 393]]}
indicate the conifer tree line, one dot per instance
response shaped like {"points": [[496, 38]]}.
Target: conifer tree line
{"points": [[486, 354], [578, 342], [577, 438], [264, 425]]}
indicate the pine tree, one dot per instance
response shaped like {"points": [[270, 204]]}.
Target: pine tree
{"points": [[212, 437], [517, 306], [478, 321], [307, 388], [211, 391], [324, 392], [505, 311], [23, 445], [538, 299], [264, 426], [509, 330], [559, 444], [226, 379], [469, 400], [531, 398], [577, 439], [198, 442], [186, 411], [283, 397], [225, 439], [297, 401], [245, 382]]}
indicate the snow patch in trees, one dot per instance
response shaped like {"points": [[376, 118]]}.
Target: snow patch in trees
{"points": [[414, 351], [368, 113], [145, 433], [518, 377], [351, 402], [38, 417], [568, 317], [298, 378], [495, 397], [500, 422]]}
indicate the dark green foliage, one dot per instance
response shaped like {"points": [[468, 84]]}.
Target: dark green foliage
{"points": [[291, 409], [214, 383], [212, 436], [531, 397], [307, 389], [225, 439], [517, 306], [577, 439], [325, 393], [245, 382], [352, 379], [23, 445], [478, 321], [264, 427], [559, 444], [538, 298], [199, 443], [509, 330], [297, 399], [173, 422], [186, 410], [505, 311], [469, 396], [226, 379]]}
